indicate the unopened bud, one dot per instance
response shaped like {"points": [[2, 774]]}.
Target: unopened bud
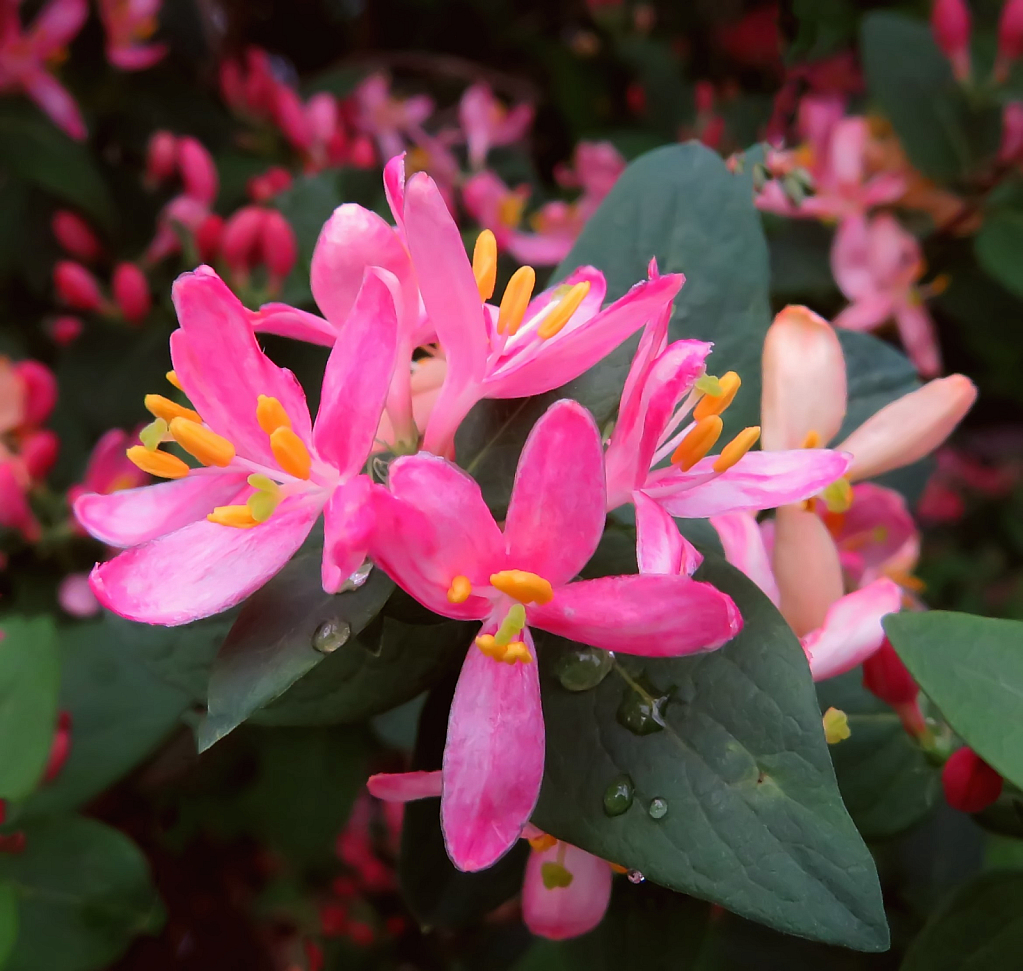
{"points": [[39, 451], [241, 240], [950, 24], [280, 247], [836, 726], [76, 286], [39, 386], [362, 155], [198, 173], [131, 292], [886, 677], [207, 237], [75, 236], [66, 329], [161, 156], [1010, 37], [970, 784], [264, 187], [60, 749]]}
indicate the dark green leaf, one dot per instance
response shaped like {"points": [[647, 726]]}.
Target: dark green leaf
{"points": [[755, 821], [972, 669], [29, 682], [998, 245], [84, 892], [8, 920], [270, 645]]}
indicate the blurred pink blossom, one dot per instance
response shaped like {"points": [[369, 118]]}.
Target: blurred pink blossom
{"points": [[487, 123], [129, 25], [393, 122]]}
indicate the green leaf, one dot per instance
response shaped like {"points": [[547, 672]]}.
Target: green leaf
{"points": [[84, 892], [911, 80], [755, 821], [29, 681], [997, 247], [885, 779], [8, 920], [972, 669], [981, 928], [270, 645]]}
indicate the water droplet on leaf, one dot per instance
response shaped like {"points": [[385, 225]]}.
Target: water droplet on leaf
{"points": [[634, 876], [618, 796], [642, 712], [331, 635], [582, 669], [658, 808]]}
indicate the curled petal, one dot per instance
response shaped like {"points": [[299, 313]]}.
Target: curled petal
{"points": [[300, 325], [562, 912], [404, 786], [916, 329]]}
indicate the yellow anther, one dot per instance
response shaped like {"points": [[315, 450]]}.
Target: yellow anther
{"points": [[208, 447], [697, 443], [838, 496], [459, 590], [542, 842], [161, 407], [516, 299], [490, 647], [509, 210], [240, 517], [163, 464], [263, 483], [262, 505], [906, 580], [715, 404], [836, 726], [517, 652], [270, 414], [484, 263], [291, 453], [737, 448], [618, 868], [524, 587], [812, 440], [567, 306], [153, 434], [173, 378]]}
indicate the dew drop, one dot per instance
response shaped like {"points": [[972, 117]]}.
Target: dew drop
{"points": [[658, 808], [634, 876], [642, 713], [331, 635], [618, 796], [358, 578], [582, 669]]}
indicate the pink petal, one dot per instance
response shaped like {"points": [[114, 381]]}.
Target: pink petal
{"points": [[660, 547], [564, 912], [867, 313], [358, 376], [919, 338], [348, 521], [910, 427], [760, 480], [404, 786], [556, 514], [852, 630], [875, 528], [804, 381], [75, 596], [130, 517], [539, 249], [394, 189], [744, 547], [807, 568], [62, 109], [201, 569], [850, 258], [651, 615], [57, 26], [300, 325], [493, 758]]}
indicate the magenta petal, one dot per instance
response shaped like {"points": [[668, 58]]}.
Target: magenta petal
{"points": [[394, 188], [201, 569], [652, 615], [564, 912], [404, 786], [133, 516], [556, 514], [660, 547], [348, 521], [744, 547], [299, 325], [493, 758]]}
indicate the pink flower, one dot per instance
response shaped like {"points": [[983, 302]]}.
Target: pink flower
{"points": [[877, 265], [204, 541], [391, 121], [437, 539], [129, 24], [488, 124], [1010, 38], [595, 169], [131, 292], [109, 469], [314, 128], [24, 58]]}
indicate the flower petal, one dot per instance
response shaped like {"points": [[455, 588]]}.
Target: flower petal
{"points": [[348, 521], [744, 547], [493, 758], [874, 530], [404, 786], [299, 325], [563, 912], [919, 338], [660, 547]]}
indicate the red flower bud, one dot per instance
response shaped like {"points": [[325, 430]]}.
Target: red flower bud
{"points": [[12, 843], [1010, 37], [40, 390], [161, 156], [75, 236], [950, 23], [280, 247], [313, 956], [333, 919], [886, 676], [207, 237], [60, 749], [241, 240], [66, 329], [363, 155], [131, 292], [39, 451], [76, 286], [970, 783], [198, 172]]}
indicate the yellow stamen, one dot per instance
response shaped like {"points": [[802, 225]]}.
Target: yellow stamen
{"points": [[208, 447], [715, 404], [163, 464], [487, 644], [525, 587], [737, 448], [484, 263], [511, 626], [161, 407], [153, 433], [517, 651], [542, 842], [173, 378], [240, 517], [836, 726], [459, 590], [567, 306], [906, 580], [262, 505], [511, 653], [812, 440], [838, 496], [516, 300], [291, 453], [270, 414], [697, 443]]}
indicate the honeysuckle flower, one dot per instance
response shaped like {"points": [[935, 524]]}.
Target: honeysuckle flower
{"points": [[436, 538], [565, 890], [109, 469], [129, 25], [205, 540], [25, 57], [487, 123], [594, 169], [390, 121], [877, 265], [313, 127]]}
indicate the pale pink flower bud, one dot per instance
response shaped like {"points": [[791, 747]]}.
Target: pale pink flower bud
{"points": [[39, 451], [65, 330], [76, 286], [161, 156], [131, 292], [950, 23], [40, 390], [75, 236], [198, 173], [207, 237], [241, 240]]}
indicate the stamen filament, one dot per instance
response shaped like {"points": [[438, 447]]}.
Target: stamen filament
{"points": [[161, 407], [737, 448], [208, 447], [161, 464], [700, 440], [484, 263], [240, 517], [270, 414], [563, 311], [715, 404], [515, 300], [290, 452]]}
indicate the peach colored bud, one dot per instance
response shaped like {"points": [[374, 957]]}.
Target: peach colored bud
{"points": [[198, 173], [950, 24], [76, 286], [241, 240], [40, 390], [970, 784], [66, 329], [39, 451], [280, 247], [131, 292], [161, 156], [207, 237], [75, 236]]}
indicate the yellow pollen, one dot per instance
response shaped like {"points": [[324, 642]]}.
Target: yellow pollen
{"points": [[737, 448], [516, 300], [697, 443], [836, 726], [524, 587], [567, 306], [838, 496], [459, 590], [291, 453], [509, 653], [484, 263], [163, 464], [812, 440], [161, 407], [173, 378], [715, 404], [240, 517], [542, 842], [208, 447], [270, 414]]}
